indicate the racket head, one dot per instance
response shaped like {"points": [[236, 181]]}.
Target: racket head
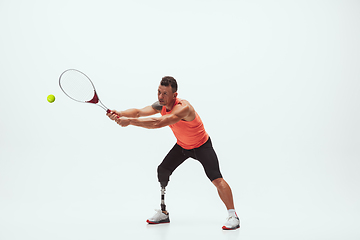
{"points": [[78, 86]]}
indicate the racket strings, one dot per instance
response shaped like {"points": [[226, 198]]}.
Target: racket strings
{"points": [[77, 86]]}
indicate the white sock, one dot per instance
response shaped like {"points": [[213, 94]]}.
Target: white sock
{"points": [[232, 212]]}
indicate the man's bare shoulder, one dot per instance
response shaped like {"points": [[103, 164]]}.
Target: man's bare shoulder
{"points": [[185, 109], [156, 105], [182, 104]]}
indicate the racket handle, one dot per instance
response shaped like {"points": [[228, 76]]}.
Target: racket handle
{"points": [[109, 111]]}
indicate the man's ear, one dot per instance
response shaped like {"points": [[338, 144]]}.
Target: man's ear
{"points": [[175, 95]]}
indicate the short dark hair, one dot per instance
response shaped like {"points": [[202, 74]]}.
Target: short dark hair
{"points": [[167, 80]]}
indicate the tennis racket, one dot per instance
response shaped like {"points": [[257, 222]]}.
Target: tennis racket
{"points": [[77, 86]]}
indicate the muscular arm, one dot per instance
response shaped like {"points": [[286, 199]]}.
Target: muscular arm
{"points": [[178, 113], [136, 113]]}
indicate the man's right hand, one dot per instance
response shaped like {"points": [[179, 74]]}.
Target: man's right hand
{"points": [[113, 115]]}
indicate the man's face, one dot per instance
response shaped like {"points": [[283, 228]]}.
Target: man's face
{"points": [[165, 95]]}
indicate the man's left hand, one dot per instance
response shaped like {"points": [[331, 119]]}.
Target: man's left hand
{"points": [[123, 121]]}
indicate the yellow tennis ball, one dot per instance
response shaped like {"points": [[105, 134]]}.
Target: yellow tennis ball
{"points": [[51, 98]]}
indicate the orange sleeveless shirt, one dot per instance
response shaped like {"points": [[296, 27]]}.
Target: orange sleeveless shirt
{"points": [[189, 135]]}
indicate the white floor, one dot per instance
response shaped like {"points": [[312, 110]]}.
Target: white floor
{"points": [[180, 229], [116, 231], [90, 222], [96, 199]]}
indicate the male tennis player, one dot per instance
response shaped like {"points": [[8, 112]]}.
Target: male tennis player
{"points": [[192, 141]]}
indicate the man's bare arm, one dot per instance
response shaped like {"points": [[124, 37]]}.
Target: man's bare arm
{"points": [[136, 113], [178, 114], [154, 122]]}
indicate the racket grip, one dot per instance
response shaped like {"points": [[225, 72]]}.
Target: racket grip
{"points": [[109, 111]]}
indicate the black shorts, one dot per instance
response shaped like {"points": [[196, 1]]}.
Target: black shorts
{"points": [[205, 154]]}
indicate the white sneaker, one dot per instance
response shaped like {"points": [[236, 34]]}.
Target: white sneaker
{"points": [[232, 223], [159, 217]]}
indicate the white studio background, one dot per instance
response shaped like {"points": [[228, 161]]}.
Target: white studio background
{"points": [[275, 82]]}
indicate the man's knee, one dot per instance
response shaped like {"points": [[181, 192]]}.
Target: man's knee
{"points": [[219, 182], [163, 175]]}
